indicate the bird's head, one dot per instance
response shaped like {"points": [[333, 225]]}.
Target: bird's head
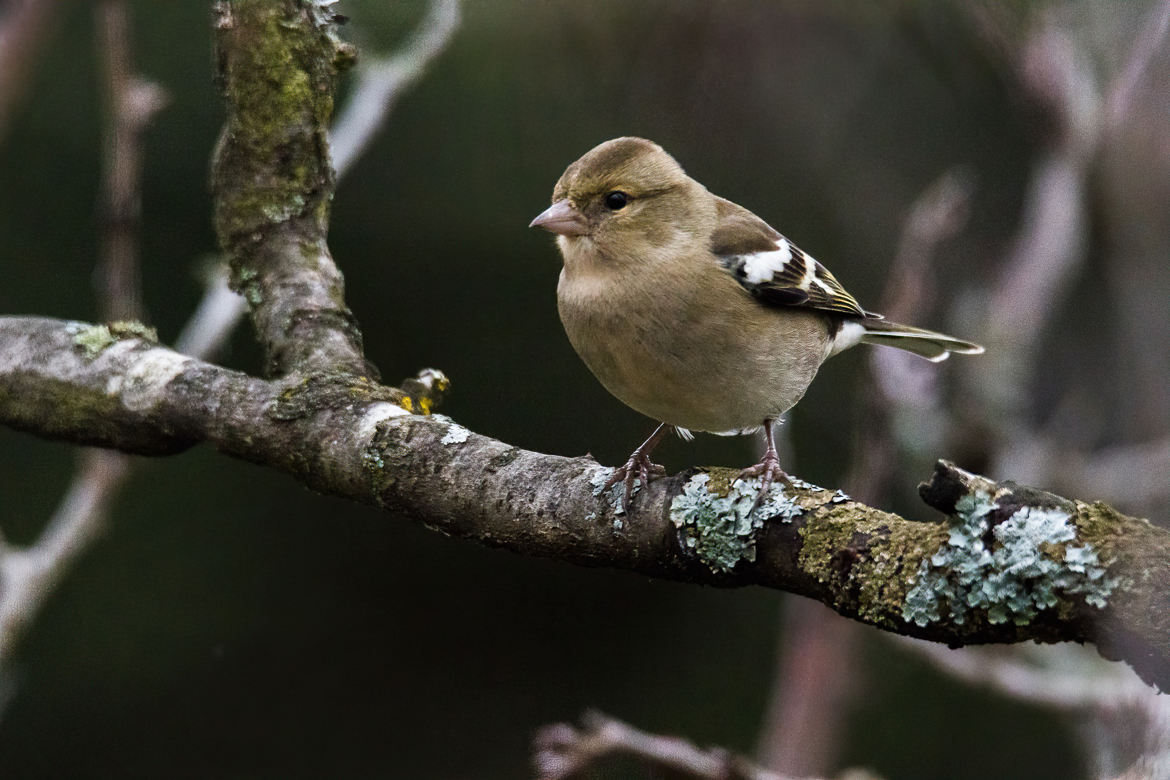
{"points": [[624, 197]]}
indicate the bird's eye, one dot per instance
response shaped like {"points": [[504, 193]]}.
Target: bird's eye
{"points": [[616, 200]]}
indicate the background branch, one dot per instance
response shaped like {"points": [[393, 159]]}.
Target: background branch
{"points": [[24, 25], [562, 751], [381, 80]]}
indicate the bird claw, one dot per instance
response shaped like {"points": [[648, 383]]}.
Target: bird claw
{"points": [[637, 467], [768, 470]]}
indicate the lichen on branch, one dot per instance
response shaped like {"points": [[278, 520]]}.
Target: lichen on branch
{"points": [[273, 182], [1006, 564]]}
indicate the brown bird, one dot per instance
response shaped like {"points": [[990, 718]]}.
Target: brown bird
{"points": [[694, 311]]}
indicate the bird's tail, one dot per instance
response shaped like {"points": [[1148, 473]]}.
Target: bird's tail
{"points": [[927, 343]]}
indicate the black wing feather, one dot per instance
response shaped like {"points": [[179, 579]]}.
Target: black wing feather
{"points": [[740, 235]]}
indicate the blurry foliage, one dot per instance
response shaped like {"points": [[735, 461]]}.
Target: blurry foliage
{"points": [[232, 625]]}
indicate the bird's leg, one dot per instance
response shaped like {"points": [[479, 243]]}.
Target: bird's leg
{"points": [[638, 466], [768, 469]]}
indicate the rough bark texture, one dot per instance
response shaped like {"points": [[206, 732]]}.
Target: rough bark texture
{"points": [[273, 182], [1006, 564]]}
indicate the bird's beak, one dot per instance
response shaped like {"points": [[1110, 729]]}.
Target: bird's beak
{"points": [[561, 218]]}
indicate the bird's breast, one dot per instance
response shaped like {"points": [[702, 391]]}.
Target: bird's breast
{"points": [[694, 351]]}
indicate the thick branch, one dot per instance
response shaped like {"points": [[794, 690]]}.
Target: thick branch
{"points": [[1009, 564], [278, 62]]}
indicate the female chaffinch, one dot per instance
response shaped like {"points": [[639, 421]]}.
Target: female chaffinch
{"points": [[694, 311]]}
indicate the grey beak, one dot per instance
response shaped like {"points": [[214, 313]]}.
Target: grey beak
{"points": [[563, 219]]}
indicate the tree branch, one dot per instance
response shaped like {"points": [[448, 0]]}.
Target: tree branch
{"points": [[1009, 564], [23, 28], [273, 182], [563, 751], [382, 80]]}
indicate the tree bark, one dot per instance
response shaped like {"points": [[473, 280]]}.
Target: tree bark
{"points": [[1006, 563]]}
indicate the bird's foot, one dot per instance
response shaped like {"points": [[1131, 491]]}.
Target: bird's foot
{"points": [[637, 467], [768, 470]]}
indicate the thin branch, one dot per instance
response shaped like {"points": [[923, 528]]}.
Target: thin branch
{"points": [[907, 387], [1119, 101], [24, 26], [1050, 248], [28, 576], [1127, 725], [561, 751], [131, 103], [814, 683], [214, 319], [1064, 677], [382, 80]]}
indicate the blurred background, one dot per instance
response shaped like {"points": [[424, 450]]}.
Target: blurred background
{"points": [[997, 170]]}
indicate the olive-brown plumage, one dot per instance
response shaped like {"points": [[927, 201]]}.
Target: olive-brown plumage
{"points": [[691, 309]]}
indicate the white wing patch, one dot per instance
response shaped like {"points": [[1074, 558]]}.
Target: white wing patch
{"points": [[787, 276], [762, 266]]}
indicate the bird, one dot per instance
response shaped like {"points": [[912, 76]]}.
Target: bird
{"points": [[694, 311]]}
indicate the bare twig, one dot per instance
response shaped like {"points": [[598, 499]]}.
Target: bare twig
{"points": [[1063, 677], [382, 80], [131, 102], [815, 678], [1126, 723], [23, 26], [217, 315], [1050, 248], [907, 386], [1151, 36], [29, 575], [561, 750]]}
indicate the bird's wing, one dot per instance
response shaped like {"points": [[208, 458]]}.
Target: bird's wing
{"points": [[772, 268]]}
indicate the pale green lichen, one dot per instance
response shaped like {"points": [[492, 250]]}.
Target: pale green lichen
{"points": [[94, 339], [372, 459], [1025, 566], [456, 434], [720, 527], [600, 476], [617, 493]]}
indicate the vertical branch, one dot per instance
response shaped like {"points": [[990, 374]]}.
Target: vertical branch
{"points": [[130, 104], [907, 386], [23, 26], [28, 576], [1049, 251], [1150, 38], [273, 183]]}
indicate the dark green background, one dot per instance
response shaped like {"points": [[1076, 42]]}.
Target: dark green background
{"points": [[232, 624]]}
